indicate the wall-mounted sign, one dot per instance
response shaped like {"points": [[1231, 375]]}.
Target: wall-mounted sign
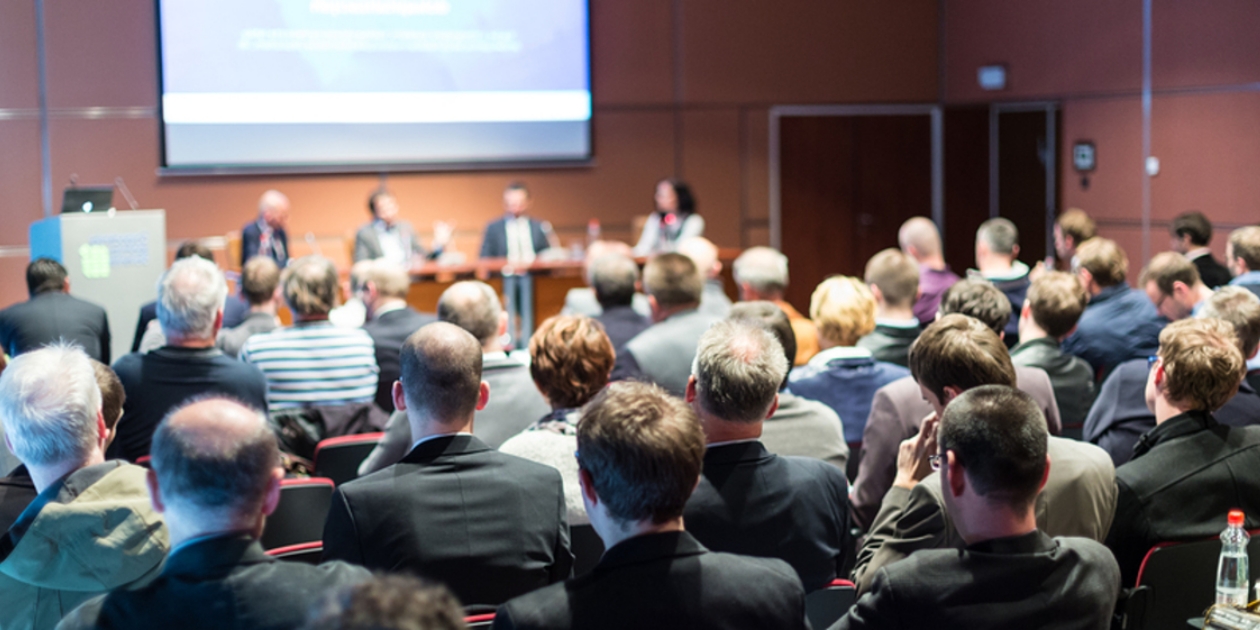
{"points": [[1084, 157], [992, 77]]}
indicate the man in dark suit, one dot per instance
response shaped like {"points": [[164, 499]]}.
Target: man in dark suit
{"points": [[265, 236], [489, 525], [640, 451], [615, 280], [750, 501], [390, 321], [514, 236], [52, 314], [388, 237], [992, 455], [215, 478], [1191, 232]]}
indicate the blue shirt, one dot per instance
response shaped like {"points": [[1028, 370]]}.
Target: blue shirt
{"points": [[1120, 323], [845, 379]]}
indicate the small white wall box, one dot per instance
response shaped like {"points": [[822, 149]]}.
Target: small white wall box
{"points": [[992, 77], [1084, 157]]}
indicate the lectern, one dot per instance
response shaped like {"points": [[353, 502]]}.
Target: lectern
{"points": [[114, 258]]}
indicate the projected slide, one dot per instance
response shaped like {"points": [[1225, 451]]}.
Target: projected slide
{"points": [[257, 83]]}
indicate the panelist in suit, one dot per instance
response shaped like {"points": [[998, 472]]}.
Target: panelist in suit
{"points": [[751, 501], [991, 451], [389, 321], [265, 236], [490, 525], [216, 476], [52, 314], [388, 237], [515, 236], [639, 455]]}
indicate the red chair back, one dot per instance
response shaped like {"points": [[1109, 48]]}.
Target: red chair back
{"points": [[309, 553], [479, 621], [339, 458], [827, 605], [1177, 581]]}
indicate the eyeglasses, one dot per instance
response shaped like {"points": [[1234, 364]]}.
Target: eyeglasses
{"points": [[1151, 361], [935, 461]]}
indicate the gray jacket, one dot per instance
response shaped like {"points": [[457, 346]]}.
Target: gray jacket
{"points": [[806, 428], [663, 353], [1071, 377]]}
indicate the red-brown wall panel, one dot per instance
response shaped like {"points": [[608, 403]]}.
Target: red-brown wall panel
{"points": [[1114, 125], [632, 51], [19, 62], [101, 54], [19, 179], [1201, 44]]}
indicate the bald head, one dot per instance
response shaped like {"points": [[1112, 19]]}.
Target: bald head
{"points": [[920, 239], [273, 208], [739, 367], [473, 306], [704, 253], [441, 374]]}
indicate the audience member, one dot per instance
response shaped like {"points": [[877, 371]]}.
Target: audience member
{"points": [[516, 402], [614, 278], [761, 273], [1007, 572], [1119, 323], [190, 311], [491, 526], [312, 362], [1188, 471], [389, 602], [265, 236], [997, 260], [259, 280], [899, 408], [583, 301], [392, 239], [713, 299], [640, 452], [148, 334], [52, 314], [1173, 285], [92, 529], [894, 282], [662, 354], [750, 501], [1242, 253], [1072, 228], [798, 426], [389, 321], [844, 376], [1191, 232], [515, 236], [1054, 305], [954, 355], [919, 239], [570, 359]]}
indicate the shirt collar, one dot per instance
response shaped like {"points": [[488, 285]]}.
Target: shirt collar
{"points": [[897, 323], [839, 352], [397, 306], [1251, 277], [429, 438], [1198, 253], [729, 442], [1018, 270]]}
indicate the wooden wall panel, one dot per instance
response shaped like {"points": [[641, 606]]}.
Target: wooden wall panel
{"points": [[1114, 126], [19, 179], [756, 126], [632, 51], [1196, 44], [19, 64], [102, 54], [711, 161]]}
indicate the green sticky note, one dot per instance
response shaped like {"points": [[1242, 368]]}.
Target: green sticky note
{"points": [[95, 260]]}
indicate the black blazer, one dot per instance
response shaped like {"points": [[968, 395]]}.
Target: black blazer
{"points": [[250, 235], [622, 324], [222, 582], [489, 525], [50, 317], [388, 332], [1212, 272], [666, 580], [494, 241], [755, 503]]}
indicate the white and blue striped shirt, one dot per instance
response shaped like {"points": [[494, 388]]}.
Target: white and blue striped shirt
{"points": [[313, 364]]}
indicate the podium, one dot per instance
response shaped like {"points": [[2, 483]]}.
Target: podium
{"points": [[114, 258]]}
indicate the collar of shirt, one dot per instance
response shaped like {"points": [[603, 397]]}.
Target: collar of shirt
{"points": [[1018, 270], [1198, 253], [397, 306], [428, 438], [897, 323], [193, 541], [839, 352], [1198, 308], [729, 442], [1251, 277]]}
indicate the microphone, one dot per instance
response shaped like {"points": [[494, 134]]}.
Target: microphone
{"points": [[310, 240], [553, 241], [122, 188]]}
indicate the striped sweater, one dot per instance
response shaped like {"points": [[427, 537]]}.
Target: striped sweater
{"points": [[314, 364]]}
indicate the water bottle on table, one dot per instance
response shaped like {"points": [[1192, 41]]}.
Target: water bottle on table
{"points": [[1232, 574]]}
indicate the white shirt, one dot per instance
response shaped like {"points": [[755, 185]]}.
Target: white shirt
{"points": [[520, 241], [434, 437], [392, 248]]}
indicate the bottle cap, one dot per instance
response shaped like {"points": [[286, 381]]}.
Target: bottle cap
{"points": [[1236, 518]]}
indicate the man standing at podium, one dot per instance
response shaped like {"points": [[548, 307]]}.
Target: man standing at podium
{"points": [[266, 237], [515, 236]]}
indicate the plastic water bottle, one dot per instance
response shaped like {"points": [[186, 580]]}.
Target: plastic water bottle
{"points": [[1232, 574]]}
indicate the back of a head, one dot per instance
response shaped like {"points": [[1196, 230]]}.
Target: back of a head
{"points": [[896, 275], [613, 277], [571, 359], [739, 367], [643, 450], [190, 294], [768, 314], [998, 434], [1076, 224], [112, 394], [1000, 234], [214, 459], [1241, 308], [389, 602], [259, 279], [389, 278], [1202, 363], [1193, 224], [601, 248], [701, 251], [189, 249], [441, 372], [843, 309], [673, 279], [310, 286], [765, 269], [1245, 244], [1168, 268], [49, 401], [921, 235], [978, 299], [1104, 260], [960, 351], [1057, 300], [473, 306], [45, 275]]}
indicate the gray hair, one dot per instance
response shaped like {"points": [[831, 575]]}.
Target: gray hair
{"points": [[190, 294], [473, 306], [49, 404], [765, 269], [739, 367], [613, 277], [999, 234]]}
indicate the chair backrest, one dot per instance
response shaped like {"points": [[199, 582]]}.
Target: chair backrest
{"points": [[309, 553], [827, 605], [339, 458], [1177, 581], [479, 621], [299, 517], [587, 548]]}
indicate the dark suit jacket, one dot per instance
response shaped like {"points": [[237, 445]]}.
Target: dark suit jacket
{"points": [[890, 343], [494, 241], [1212, 272], [622, 323], [1070, 375], [489, 525], [52, 316], [1029, 581], [665, 580], [222, 582], [754, 503], [250, 235], [235, 310], [16, 492], [388, 332]]}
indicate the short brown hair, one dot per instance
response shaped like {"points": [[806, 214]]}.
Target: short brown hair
{"points": [[998, 434], [259, 278], [389, 278], [1245, 243], [1057, 300], [1168, 268], [1104, 260], [1241, 309], [310, 286], [643, 450], [112, 394], [962, 352], [1076, 224], [570, 360], [843, 309], [1202, 363], [673, 279], [896, 275], [978, 299], [1193, 224], [400, 602]]}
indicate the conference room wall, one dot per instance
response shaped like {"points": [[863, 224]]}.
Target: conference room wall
{"points": [[681, 87]]}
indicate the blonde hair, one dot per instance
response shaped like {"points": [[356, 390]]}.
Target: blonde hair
{"points": [[1076, 224], [843, 309], [1202, 363]]}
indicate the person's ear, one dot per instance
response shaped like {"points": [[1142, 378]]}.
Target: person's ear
{"points": [[957, 477], [774, 406], [1045, 476], [483, 395], [218, 321], [102, 432], [588, 486], [1015, 251], [689, 394], [503, 323], [399, 396], [1025, 311], [951, 392], [65, 285], [155, 492], [271, 498], [876, 293]]}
